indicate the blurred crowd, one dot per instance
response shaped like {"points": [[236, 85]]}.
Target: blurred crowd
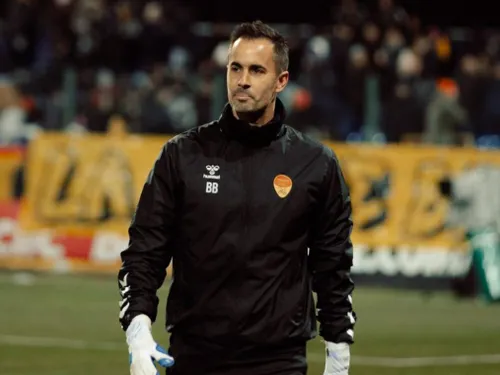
{"points": [[374, 74]]}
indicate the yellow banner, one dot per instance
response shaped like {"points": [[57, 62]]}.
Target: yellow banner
{"points": [[79, 184], [395, 192]]}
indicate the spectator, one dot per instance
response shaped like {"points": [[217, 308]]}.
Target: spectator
{"points": [[402, 116], [12, 114], [445, 117], [490, 123], [473, 87], [357, 72]]}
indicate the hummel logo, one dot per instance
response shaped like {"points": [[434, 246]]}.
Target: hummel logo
{"points": [[212, 170]]}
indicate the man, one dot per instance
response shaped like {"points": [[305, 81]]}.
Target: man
{"points": [[255, 216]]}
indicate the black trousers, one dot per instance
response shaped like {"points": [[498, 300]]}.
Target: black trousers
{"points": [[197, 358]]}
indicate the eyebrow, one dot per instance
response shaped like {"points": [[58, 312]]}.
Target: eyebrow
{"points": [[252, 66]]}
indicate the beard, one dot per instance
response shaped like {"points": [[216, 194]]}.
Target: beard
{"points": [[248, 111], [248, 105]]}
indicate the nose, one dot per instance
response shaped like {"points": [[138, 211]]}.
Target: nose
{"points": [[244, 81]]}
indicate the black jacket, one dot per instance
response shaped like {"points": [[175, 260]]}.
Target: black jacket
{"points": [[245, 259]]}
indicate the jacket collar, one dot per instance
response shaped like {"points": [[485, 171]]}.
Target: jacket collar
{"points": [[245, 133]]}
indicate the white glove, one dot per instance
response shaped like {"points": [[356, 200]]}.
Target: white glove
{"points": [[143, 350], [337, 359]]}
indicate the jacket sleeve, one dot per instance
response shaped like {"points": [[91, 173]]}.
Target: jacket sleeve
{"points": [[148, 255], [331, 256]]}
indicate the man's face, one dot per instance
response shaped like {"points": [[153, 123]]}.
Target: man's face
{"points": [[252, 78]]}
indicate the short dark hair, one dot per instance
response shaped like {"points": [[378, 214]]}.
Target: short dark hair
{"points": [[258, 29]]}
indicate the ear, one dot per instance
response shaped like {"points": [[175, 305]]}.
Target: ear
{"points": [[282, 81]]}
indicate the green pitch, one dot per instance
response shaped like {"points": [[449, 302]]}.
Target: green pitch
{"points": [[67, 325]]}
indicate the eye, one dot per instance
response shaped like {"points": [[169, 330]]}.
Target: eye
{"points": [[235, 68]]}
